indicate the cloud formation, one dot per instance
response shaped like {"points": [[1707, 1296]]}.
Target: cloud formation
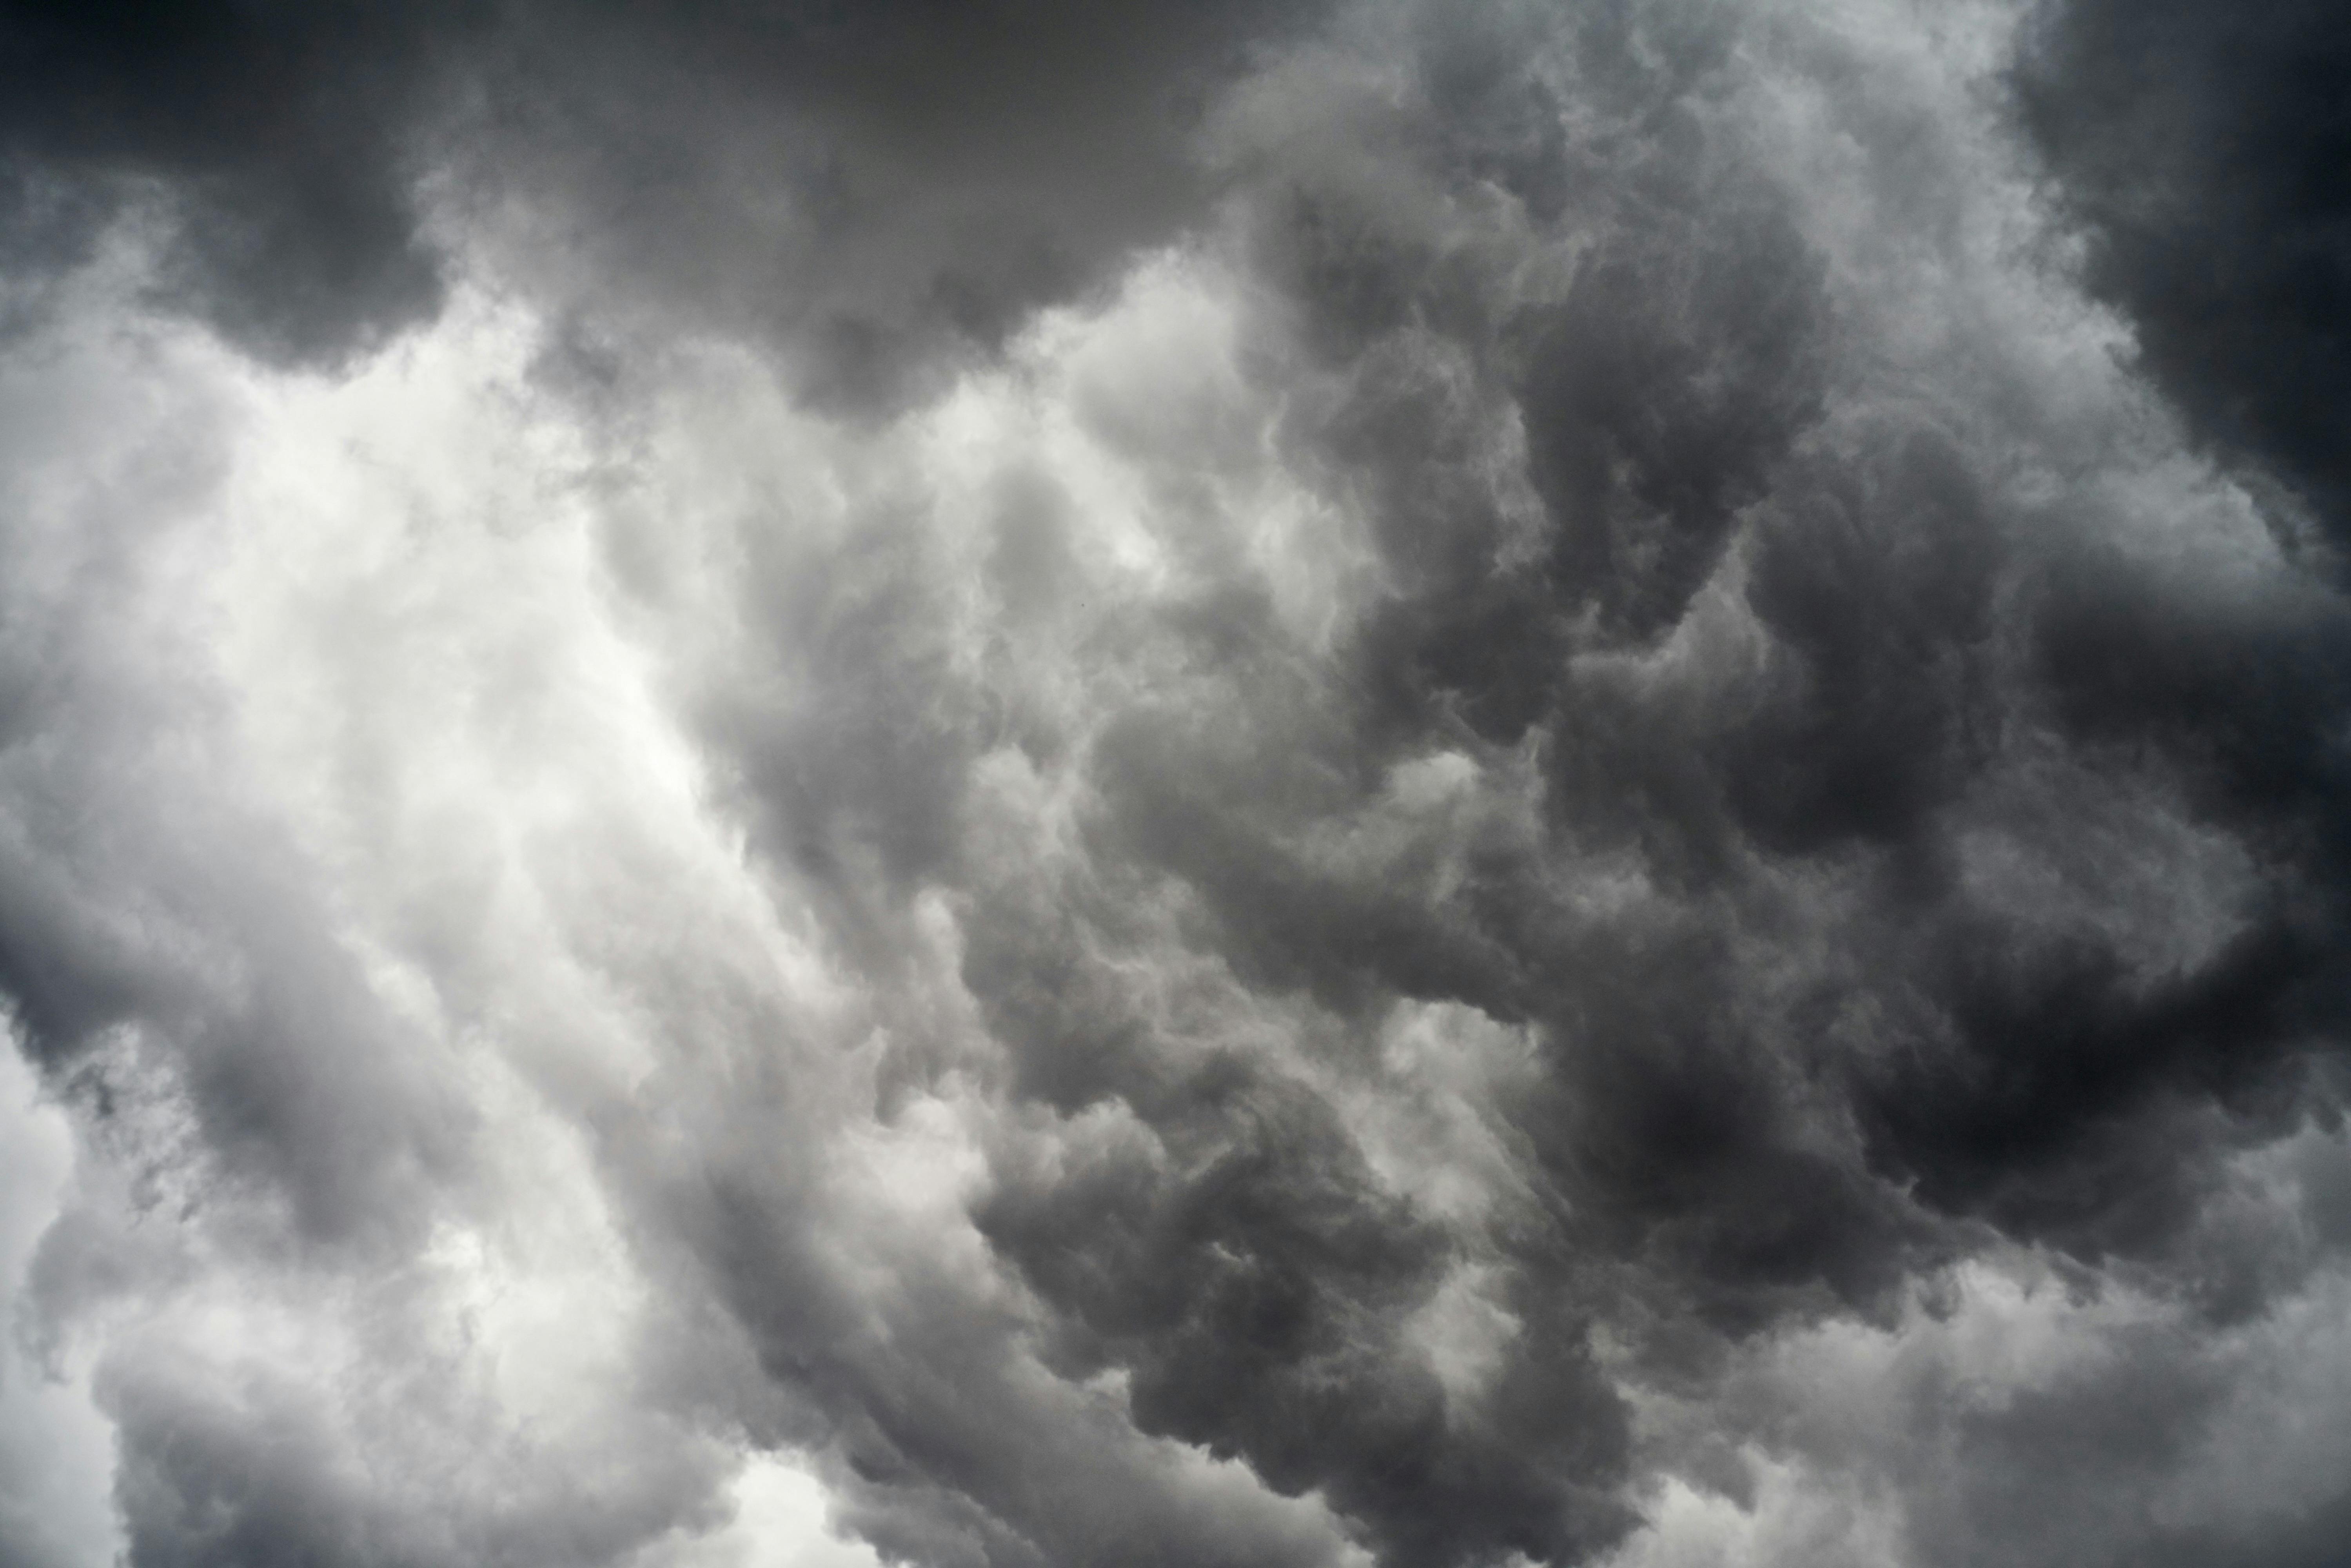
{"points": [[1295, 784]]}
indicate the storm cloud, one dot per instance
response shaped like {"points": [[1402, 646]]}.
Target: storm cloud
{"points": [[1037, 784]]}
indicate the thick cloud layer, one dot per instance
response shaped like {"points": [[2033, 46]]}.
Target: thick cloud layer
{"points": [[2200, 149], [1271, 784]]}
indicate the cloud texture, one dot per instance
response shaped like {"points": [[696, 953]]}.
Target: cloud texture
{"points": [[1047, 784]]}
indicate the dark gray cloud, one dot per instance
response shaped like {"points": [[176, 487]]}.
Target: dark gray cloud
{"points": [[883, 187], [1255, 783], [2198, 149], [1763, 1099], [880, 185], [280, 142]]}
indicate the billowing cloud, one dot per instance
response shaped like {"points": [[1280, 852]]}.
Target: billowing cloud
{"points": [[1021, 785]]}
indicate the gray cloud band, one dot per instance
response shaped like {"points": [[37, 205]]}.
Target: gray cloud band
{"points": [[1239, 784]]}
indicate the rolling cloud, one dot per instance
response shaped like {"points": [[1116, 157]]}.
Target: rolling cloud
{"points": [[1037, 784]]}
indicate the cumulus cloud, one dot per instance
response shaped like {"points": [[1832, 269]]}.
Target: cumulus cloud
{"points": [[1368, 783]]}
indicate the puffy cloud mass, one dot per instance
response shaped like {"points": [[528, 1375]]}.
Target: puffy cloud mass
{"points": [[1291, 782]]}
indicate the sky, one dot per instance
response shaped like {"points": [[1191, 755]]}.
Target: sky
{"points": [[1262, 784]]}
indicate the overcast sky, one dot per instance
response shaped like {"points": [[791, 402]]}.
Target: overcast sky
{"points": [[1257, 784]]}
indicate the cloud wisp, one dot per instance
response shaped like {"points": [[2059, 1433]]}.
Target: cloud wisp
{"points": [[1366, 783]]}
